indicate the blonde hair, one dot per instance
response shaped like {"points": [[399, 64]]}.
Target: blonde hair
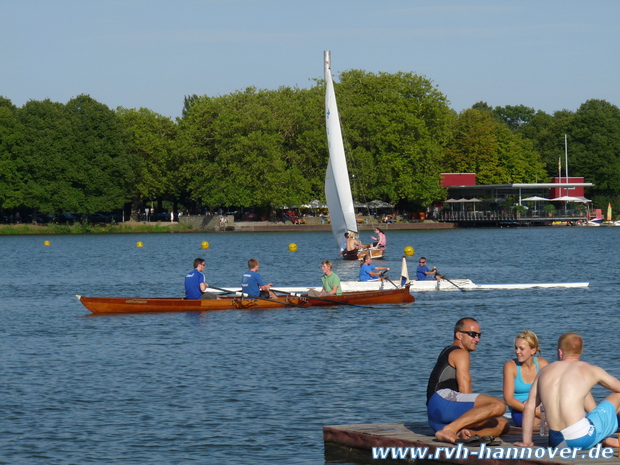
{"points": [[530, 338]]}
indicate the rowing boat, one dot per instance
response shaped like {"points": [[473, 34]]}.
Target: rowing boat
{"points": [[242, 302], [432, 285]]}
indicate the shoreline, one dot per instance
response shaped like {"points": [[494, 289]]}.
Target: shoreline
{"points": [[189, 226]]}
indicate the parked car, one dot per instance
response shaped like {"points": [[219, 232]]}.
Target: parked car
{"points": [[97, 218], [65, 218]]}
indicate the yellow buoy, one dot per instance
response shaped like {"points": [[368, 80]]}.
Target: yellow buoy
{"points": [[46, 243], [204, 245], [409, 251], [292, 247], [139, 244]]}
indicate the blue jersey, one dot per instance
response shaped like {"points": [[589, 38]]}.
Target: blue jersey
{"points": [[365, 273], [193, 279], [251, 283], [422, 276]]}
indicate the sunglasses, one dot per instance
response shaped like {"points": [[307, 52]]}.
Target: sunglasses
{"points": [[472, 334]]}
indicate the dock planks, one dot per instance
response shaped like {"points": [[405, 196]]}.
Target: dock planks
{"points": [[356, 442]]}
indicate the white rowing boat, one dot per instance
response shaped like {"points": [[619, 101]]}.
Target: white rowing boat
{"points": [[426, 286], [421, 286]]}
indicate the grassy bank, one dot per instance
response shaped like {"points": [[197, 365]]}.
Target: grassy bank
{"points": [[82, 228]]}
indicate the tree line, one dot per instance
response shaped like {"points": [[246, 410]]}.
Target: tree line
{"points": [[263, 148]]}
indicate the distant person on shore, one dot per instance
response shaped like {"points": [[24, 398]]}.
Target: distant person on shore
{"points": [[352, 245], [330, 281], [519, 374], [368, 271], [423, 271], [454, 412], [252, 282], [563, 389], [196, 284], [381, 240]]}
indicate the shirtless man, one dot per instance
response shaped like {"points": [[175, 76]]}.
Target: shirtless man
{"points": [[352, 245], [453, 410], [563, 388]]}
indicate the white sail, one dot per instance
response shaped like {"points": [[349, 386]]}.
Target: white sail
{"points": [[337, 186]]}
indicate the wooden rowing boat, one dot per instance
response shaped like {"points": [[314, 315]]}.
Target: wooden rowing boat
{"points": [[177, 304]]}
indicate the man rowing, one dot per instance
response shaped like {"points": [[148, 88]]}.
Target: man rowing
{"points": [[330, 282], [252, 282], [370, 272], [454, 412], [563, 389], [196, 284]]}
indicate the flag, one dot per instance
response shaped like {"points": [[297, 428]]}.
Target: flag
{"points": [[404, 273]]}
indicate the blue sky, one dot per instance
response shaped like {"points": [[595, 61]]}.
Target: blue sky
{"points": [[546, 54]]}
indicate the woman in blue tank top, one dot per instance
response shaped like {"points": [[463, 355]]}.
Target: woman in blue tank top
{"points": [[519, 374]]}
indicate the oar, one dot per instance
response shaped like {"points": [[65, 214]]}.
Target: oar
{"points": [[288, 304], [444, 277], [324, 300], [382, 273]]}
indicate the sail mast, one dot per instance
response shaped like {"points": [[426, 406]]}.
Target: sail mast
{"points": [[337, 186]]}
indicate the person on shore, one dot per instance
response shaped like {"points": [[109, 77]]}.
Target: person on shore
{"points": [[423, 271], [380, 240], [330, 281], [196, 284], [563, 389], [352, 246], [454, 412], [252, 283], [519, 374], [370, 272]]}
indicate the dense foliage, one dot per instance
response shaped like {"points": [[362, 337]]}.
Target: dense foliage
{"points": [[264, 148]]}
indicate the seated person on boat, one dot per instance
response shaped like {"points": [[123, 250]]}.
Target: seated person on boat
{"points": [[380, 240], [423, 271], [196, 284], [352, 246], [519, 374], [368, 271], [454, 412], [252, 282], [330, 280]]}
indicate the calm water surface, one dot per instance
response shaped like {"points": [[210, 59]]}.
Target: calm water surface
{"points": [[252, 387]]}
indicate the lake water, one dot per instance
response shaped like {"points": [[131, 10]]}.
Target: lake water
{"points": [[253, 387]]}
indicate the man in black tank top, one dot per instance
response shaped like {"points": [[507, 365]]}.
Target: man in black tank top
{"points": [[454, 412]]}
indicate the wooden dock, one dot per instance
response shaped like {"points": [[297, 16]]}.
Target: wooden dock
{"points": [[354, 443]]}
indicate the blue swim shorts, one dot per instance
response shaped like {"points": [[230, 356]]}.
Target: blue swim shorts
{"points": [[446, 405], [589, 431]]}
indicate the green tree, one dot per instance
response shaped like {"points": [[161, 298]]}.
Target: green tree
{"points": [[483, 146], [594, 145], [74, 157], [514, 116], [153, 144], [243, 149], [396, 126], [11, 133]]}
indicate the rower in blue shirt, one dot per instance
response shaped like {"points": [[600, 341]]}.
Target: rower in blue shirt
{"points": [[368, 270], [423, 271]]}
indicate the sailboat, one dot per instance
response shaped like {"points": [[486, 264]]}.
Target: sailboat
{"points": [[337, 186]]}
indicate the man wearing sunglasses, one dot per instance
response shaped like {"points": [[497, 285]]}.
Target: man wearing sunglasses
{"points": [[454, 412], [423, 271]]}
